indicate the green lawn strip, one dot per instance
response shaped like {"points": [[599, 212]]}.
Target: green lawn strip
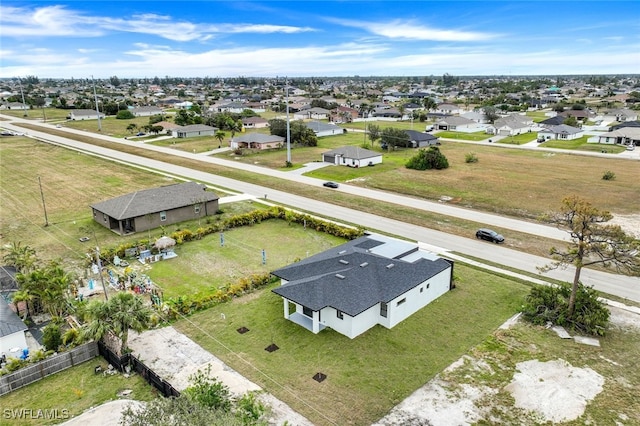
{"points": [[75, 389], [368, 375], [452, 134], [519, 139], [202, 266]]}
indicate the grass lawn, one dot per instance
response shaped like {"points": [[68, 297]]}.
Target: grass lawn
{"points": [[368, 375], [204, 265], [75, 389], [519, 139], [451, 134], [581, 144]]}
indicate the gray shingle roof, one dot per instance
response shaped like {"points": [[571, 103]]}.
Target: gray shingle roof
{"points": [[258, 138], [9, 322], [419, 136], [155, 200], [351, 278], [354, 152]]}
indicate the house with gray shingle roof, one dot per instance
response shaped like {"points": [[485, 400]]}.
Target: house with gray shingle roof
{"points": [[194, 130], [150, 208], [324, 129], [560, 132], [11, 330], [352, 156], [371, 280]]}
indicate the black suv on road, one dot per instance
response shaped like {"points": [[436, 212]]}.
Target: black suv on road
{"points": [[489, 235]]}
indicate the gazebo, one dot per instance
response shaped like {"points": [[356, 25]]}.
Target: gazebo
{"points": [[165, 245]]}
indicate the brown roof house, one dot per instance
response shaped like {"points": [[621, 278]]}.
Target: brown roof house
{"points": [[151, 208]]}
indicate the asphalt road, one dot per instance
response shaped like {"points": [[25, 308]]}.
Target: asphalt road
{"points": [[619, 285]]}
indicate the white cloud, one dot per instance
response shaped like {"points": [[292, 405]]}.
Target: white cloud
{"points": [[58, 21], [409, 30]]}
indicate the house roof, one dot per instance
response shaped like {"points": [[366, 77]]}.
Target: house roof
{"points": [[358, 275], [561, 129], [10, 322], [155, 200], [553, 121], [319, 126], [258, 138], [354, 152], [196, 128], [254, 120], [419, 136], [455, 120]]}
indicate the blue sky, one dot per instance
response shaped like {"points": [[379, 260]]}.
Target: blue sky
{"points": [[64, 39]]}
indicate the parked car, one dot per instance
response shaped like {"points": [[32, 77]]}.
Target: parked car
{"points": [[631, 147], [330, 184], [140, 134], [489, 235]]}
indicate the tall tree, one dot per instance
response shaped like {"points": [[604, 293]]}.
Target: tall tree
{"points": [[592, 242], [116, 316], [23, 258], [220, 135]]}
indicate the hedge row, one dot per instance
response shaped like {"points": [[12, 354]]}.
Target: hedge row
{"points": [[175, 307]]}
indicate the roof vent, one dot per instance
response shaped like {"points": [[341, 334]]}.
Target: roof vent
{"points": [[342, 252], [344, 262], [362, 265], [340, 276], [391, 265]]}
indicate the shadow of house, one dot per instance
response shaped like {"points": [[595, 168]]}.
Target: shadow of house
{"points": [[150, 208]]}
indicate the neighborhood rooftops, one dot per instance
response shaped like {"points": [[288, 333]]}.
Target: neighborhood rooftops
{"points": [[154, 200]]}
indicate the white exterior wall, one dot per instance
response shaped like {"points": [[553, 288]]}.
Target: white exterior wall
{"points": [[438, 285], [343, 161], [15, 340]]}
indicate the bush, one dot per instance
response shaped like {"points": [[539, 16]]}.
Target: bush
{"points": [[427, 159], [51, 337], [608, 175], [551, 304], [470, 158], [124, 114]]}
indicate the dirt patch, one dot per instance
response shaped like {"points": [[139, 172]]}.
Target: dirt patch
{"points": [[629, 223], [553, 391]]}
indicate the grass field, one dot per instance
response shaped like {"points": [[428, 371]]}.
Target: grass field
{"points": [[75, 390], [205, 265], [368, 375]]}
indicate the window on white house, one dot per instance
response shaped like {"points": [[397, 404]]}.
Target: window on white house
{"points": [[339, 314], [401, 301], [163, 216], [383, 309]]}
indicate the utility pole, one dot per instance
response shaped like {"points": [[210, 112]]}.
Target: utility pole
{"points": [[22, 93], [44, 206], [95, 95], [286, 88], [106, 297]]}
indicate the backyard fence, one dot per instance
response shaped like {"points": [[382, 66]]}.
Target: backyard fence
{"points": [[129, 363], [46, 367]]}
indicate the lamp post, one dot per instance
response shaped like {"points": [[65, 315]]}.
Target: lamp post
{"points": [[22, 94], [95, 95]]}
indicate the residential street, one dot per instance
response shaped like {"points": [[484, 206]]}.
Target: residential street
{"points": [[622, 286]]}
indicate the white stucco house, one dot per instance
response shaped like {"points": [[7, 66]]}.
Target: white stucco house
{"points": [[352, 156], [193, 130], [368, 281], [12, 331], [560, 132], [321, 128], [84, 114]]}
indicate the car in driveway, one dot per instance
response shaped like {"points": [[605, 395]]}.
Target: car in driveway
{"points": [[330, 185], [489, 235]]}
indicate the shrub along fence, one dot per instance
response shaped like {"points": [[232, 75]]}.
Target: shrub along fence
{"points": [[48, 366], [128, 362]]}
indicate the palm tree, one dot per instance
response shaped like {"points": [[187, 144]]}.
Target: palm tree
{"points": [[23, 258], [220, 135], [117, 316]]}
